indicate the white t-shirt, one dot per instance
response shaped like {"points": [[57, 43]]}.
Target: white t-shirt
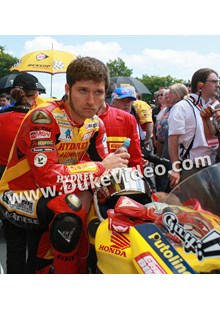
{"points": [[185, 120]]}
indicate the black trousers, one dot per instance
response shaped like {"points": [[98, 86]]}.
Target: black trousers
{"points": [[21, 248]]}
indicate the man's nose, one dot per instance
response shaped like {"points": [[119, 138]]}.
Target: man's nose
{"points": [[90, 98]]}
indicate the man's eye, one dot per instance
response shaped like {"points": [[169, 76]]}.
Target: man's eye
{"points": [[99, 93], [83, 90]]}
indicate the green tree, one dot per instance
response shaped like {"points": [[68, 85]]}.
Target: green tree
{"points": [[6, 61], [154, 83], [117, 67]]}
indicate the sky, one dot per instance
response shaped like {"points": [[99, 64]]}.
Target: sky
{"points": [[152, 37], [161, 55]]}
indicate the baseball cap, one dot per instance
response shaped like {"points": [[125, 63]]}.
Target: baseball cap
{"points": [[123, 92], [26, 81]]}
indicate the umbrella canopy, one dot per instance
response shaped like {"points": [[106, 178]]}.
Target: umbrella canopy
{"points": [[127, 81], [6, 84], [47, 61]]}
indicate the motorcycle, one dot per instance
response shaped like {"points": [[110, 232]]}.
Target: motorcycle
{"points": [[135, 233]]}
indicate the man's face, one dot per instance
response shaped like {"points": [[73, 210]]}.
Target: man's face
{"points": [[211, 86], [123, 104], [85, 99]]}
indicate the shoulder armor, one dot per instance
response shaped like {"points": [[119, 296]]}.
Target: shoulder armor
{"points": [[40, 117]]}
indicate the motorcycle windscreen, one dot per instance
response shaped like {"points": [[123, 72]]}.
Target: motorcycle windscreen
{"points": [[203, 186]]}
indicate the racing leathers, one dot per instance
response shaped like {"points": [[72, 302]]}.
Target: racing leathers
{"points": [[144, 116], [46, 166], [121, 125]]}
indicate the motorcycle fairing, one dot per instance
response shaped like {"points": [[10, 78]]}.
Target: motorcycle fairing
{"points": [[153, 253], [113, 251]]}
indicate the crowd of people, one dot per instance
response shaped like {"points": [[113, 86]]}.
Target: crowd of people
{"points": [[48, 144]]}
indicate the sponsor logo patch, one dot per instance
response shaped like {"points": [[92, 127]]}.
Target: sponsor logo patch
{"points": [[149, 264], [39, 134], [36, 143], [42, 149], [40, 160]]}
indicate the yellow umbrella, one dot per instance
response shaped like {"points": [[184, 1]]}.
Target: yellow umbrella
{"points": [[47, 61]]}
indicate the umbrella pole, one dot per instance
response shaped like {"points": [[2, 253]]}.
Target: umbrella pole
{"points": [[51, 82]]}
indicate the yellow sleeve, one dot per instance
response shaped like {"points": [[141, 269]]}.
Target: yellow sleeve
{"points": [[144, 111]]}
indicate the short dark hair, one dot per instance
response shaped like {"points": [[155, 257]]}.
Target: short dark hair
{"points": [[5, 95], [87, 68], [200, 75]]}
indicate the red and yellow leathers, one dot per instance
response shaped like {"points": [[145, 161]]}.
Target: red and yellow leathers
{"points": [[119, 126], [48, 146], [144, 112], [144, 117], [50, 149]]}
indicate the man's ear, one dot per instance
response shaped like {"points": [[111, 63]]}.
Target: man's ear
{"points": [[200, 85], [67, 89]]}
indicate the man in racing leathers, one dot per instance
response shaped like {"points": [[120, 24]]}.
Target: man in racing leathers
{"points": [[121, 125], [48, 154]]}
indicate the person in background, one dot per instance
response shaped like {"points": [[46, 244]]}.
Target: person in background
{"points": [[212, 118], [176, 93], [120, 124], [164, 105], [19, 241], [5, 100], [143, 114], [155, 111], [144, 118], [190, 136], [127, 104], [24, 93]]}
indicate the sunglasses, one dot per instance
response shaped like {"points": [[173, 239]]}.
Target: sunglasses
{"points": [[213, 81]]}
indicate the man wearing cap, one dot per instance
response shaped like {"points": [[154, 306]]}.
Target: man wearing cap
{"points": [[120, 124], [28, 83], [24, 93], [122, 98]]}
